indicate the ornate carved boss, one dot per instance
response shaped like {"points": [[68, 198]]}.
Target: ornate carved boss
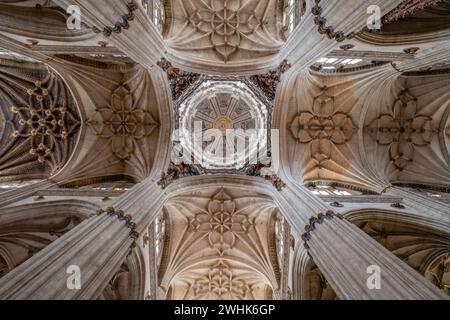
{"points": [[322, 127], [268, 82], [402, 130], [123, 123], [407, 8]]}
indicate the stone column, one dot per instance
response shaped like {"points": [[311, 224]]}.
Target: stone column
{"points": [[98, 246], [344, 253], [336, 20], [349, 259]]}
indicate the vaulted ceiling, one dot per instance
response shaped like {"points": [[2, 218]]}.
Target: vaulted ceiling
{"points": [[100, 103]]}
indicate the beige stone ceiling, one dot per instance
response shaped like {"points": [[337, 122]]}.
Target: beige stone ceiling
{"points": [[219, 246], [225, 32], [365, 128]]}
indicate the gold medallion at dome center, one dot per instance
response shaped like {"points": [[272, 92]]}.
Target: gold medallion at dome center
{"points": [[223, 123]]}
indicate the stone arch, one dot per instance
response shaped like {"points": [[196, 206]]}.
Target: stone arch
{"points": [[204, 264], [404, 26], [27, 229], [128, 283]]}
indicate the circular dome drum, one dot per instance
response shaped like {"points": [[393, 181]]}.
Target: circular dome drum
{"points": [[223, 125]]}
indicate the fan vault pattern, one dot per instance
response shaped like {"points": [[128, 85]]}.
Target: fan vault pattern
{"points": [[42, 123], [225, 30], [221, 252], [102, 111], [403, 130], [123, 123]]}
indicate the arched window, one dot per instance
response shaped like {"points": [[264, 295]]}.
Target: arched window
{"points": [[280, 231], [156, 12], [293, 11], [160, 234]]}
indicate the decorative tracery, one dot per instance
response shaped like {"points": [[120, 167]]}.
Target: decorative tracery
{"points": [[322, 128], [403, 130], [41, 122], [225, 27], [123, 123], [222, 223]]}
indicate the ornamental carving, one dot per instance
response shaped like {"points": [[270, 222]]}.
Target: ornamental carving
{"points": [[228, 29], [225, 23], [402, 130], [221, 283], [222, 223], [268, 82], [321, 218], [41, 123], [321, 22], [112, 212], [263, 171], [322, 128], [179, 80], [175, 172], [122, 23], [123, 123], [407, 8], [438, 272]]}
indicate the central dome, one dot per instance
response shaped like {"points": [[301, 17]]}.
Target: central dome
{"points": [[223, 114]]}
